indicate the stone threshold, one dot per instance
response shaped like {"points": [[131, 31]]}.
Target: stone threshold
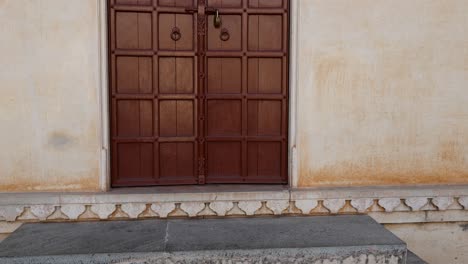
{"points": [[385, 204], [340, 239]]}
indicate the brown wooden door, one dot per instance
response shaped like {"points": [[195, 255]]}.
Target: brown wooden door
{"points": [[193, 102]]}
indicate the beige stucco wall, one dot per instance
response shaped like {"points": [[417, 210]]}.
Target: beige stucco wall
{"points": [[436, 243], [382, 92], [49, 96]]}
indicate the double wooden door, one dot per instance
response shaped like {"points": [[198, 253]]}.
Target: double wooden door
{"points": [[198, 91]]}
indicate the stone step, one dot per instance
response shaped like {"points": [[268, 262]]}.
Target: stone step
{"points": [[321, 240]]}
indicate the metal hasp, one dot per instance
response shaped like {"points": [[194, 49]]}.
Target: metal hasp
{"points": [[198, 91], [217, 19]]}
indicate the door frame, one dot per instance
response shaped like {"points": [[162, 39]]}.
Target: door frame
{"points": [[103, 94]]}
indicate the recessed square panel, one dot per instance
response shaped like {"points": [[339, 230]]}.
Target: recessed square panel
{"points": [[264, 159], [224, 117], [224, 160], [134, 74], [224, 75], [176, 118], [133, 30], [176, 32], [176, 159], [225, 3], [135, 161], [176, 75], [265, 33], [133, 2], [264, 117], [134, 118], [266, 3], [265, 75], [228, 36], [177, 3]]}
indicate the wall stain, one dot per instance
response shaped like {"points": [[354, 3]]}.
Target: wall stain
{"points": [[451, 151], [88, 181], [27, 175], [381, 168], [60, 140], [378, 173]]}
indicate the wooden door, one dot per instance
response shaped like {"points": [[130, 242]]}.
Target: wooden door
{"points": [[193, 101]]}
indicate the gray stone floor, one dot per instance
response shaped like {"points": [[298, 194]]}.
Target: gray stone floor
{"points": [[241, 238], [413, 259], [3, 237], [185, 235]]}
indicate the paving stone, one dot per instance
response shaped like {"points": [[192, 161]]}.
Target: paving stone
{"points": [[44, 239], [342, 239]]}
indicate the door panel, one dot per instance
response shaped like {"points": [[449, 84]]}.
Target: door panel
{"points": [[265, 76], [178, 75], [264, 160], [133, 30], [224, 161], [181, 23], [134, 118], [265, 32], [196, 103], [134, 162], [224, 75], [176, 160], [224, 118], [264, 117], [232, 24], [247, 95], [134, 75]]}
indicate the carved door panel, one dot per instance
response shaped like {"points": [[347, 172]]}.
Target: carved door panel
{"points": [[193, 102]]}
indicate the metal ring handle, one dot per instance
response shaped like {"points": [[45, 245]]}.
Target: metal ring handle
{"points": [[175, 34], [224, 35]]}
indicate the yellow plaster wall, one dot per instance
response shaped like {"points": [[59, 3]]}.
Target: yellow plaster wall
{"points": [[382, 92], [49, 96]]}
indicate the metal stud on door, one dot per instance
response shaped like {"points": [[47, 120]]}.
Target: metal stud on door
{"points": [[198, 91]]}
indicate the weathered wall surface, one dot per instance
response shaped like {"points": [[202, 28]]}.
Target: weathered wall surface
{"points": [[49, 104], [436, 243], [383, 92]]}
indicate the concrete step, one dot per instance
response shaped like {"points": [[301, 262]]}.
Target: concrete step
{"points": [[321, 240]]}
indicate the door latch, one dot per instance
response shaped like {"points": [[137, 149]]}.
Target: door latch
{"points": [[217, 19], [208, 10]]}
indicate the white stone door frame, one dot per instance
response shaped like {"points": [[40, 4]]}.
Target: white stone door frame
{"points": [[105, 179]]}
